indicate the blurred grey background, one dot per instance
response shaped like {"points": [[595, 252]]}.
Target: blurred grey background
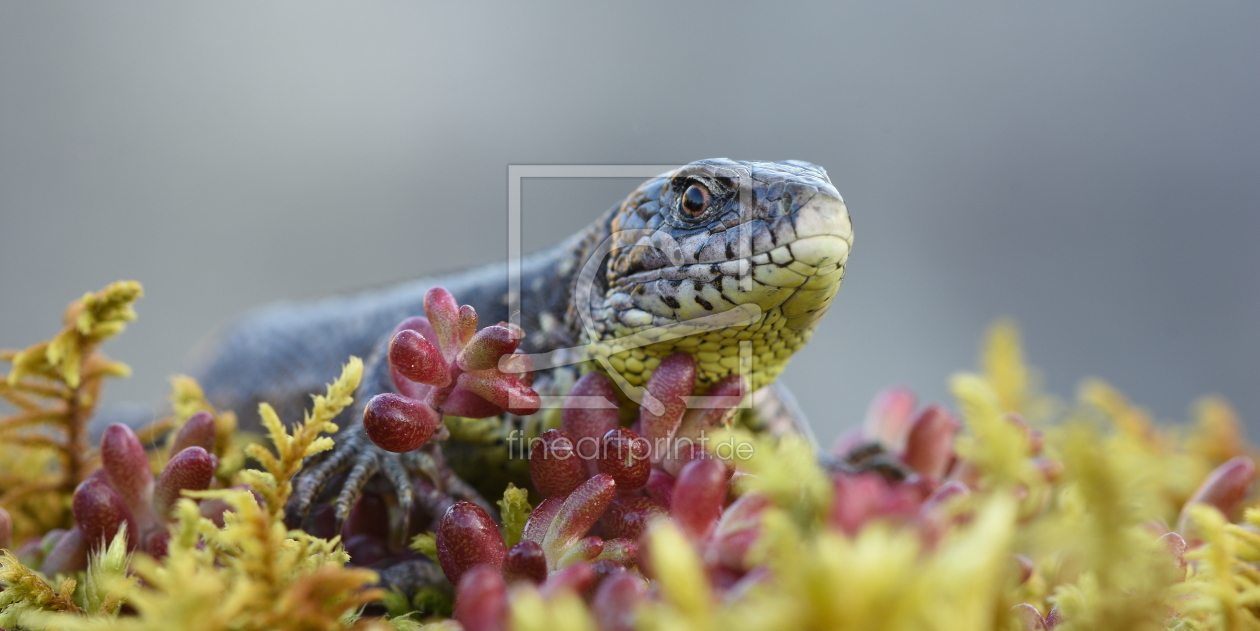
{"points": [[1090, 169]]}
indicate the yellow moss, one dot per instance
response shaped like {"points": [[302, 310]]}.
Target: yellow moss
{"points": [[54, 386], [252, 573], [514, 509], [273, 482]]}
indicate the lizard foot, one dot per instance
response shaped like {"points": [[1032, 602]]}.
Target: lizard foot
{"points": [[419, 479]]}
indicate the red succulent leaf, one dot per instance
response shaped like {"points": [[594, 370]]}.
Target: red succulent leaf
{"points": [[554, 466], [481, 602], [503, 390], [576, 578], [737, 531], [68, 554], [99, 511], [624, 455], [866, 496], [444, 317], [126, 466], [671, 384], [540, 519], [1029, 618], [197, 431], [616, 600], [580, 510], [629, 515], [157, 543], [466, 325], [1176, 546], [1023, 568], [698, 496], [191, 469], [585, 550], [525, 561], [930, 443], [416, 359], [6, 529], [466, 404], [487, 346], [1224, 489], [466, 537], [889, 416], [723, 402], [660, 487], [397, 423], [622, 551], [590, 411]]}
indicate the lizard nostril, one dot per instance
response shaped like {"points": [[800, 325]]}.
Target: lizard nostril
{"points": [[785, 204]]}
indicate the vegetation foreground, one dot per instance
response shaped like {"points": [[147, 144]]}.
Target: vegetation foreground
{"points": [[1016, 511]]}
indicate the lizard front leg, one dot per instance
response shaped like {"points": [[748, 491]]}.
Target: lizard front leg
{"points": [[340, 475]]}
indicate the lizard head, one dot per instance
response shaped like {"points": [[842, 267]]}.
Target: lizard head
{"points": [[708, 256]]}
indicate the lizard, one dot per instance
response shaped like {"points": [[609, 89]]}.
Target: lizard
{"points": [[767, 241]]}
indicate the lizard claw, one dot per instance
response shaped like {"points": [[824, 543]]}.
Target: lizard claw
{"points": [[419, 477]]}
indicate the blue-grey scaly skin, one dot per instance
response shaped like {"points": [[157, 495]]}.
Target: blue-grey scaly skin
{"points": [[772, 237]]}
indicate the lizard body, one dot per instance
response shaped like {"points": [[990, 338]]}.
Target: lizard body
{"points": [[763, 245]]}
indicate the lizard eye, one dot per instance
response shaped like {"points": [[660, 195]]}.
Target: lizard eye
{"points": [[695, 200]]}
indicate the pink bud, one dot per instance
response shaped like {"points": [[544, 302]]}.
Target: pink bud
{"points": [[191, 469], [590, 411], [481, 600], [525, 561], [698, 497], [198, 431], [99, 511], [467, 536], [930, 444], [126, 467], [616, 600], [397, 423], [671, 384], [554, 466], [415, 358]]}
